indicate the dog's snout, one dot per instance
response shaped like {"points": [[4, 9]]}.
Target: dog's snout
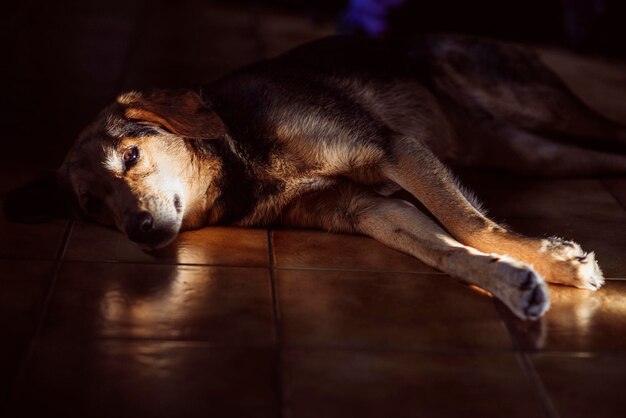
{"points": [[142, 228], [139, 226], [146, 222]]}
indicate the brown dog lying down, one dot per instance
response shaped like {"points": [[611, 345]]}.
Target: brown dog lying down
{"points": [[321, 136]]}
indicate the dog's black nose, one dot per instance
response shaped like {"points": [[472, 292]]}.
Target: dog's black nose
{"points": [[139, 226]]}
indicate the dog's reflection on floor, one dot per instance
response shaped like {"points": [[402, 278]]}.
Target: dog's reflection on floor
{"points": [[580, 319]]}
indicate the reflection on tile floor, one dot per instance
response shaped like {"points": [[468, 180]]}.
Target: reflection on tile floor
{"points": [[318, 249], [591, 378], [216, 246], [226, 306], [231, 322], [578, 320], [332, 383], [385, 310], [146, 379]]}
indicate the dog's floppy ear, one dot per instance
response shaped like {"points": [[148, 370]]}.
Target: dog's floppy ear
{"points": [[40, 200], [181, 112]]}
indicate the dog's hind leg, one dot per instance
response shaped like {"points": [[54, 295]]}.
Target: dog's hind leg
{"points": [[510, 83], [412, 166], [524, 152], [402, 226]]}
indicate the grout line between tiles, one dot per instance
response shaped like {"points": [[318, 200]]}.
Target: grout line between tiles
{"points": [[537, 386], [280, 369], [272, 266], [57, 267], [610, 192], [159, 339], [433, 348], [441, 349], [67, 233], [156, 263], [58, 261], [500, 308], [545, 401], [435, 272]]}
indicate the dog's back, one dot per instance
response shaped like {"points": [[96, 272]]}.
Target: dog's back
{"points": [[475, 92]]}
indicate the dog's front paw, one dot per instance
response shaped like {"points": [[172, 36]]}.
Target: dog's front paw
{"points": [[570, 265], [526, 292]]}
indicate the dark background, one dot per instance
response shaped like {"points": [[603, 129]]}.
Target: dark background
{"points": [[64, 60]]}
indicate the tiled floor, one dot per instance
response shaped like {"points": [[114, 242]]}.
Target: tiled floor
{"points": [[233, 322]]}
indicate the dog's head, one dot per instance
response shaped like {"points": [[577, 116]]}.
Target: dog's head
{"points": [[135, 167]]}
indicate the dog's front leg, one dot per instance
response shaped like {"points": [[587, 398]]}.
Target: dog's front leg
{"points": [[402, 226], [412, 166]]}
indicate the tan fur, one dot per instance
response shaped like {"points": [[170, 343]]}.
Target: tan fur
{"points": [[512, 267], [189, 118], [165, 166]]}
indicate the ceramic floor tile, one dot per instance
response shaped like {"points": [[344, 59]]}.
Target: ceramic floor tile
{"points": [[365, 309], [323, 250], [584, 385], [605, 237], [407, 384], [226, 306], [213, 246], [23, 289], [578, 320], [11, 354], [145, 379]]}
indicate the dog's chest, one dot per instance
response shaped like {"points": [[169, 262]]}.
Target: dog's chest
{"points": [[270, 205]]}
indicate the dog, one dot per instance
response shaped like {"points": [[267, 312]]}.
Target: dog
{"points": [[323, 135]]}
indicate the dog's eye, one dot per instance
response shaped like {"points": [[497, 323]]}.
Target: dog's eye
{"points": [[130, 156]]}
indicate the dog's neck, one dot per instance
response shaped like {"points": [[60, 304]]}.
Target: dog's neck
{"points": [[222, 184], [202, 175]]}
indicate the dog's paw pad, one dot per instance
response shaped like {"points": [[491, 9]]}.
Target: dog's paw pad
{"points": [[587, 272], [536, 301], [573, 266], [526, 293]]}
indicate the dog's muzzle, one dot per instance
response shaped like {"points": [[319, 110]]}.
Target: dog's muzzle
{"points": [[140, 228]]}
